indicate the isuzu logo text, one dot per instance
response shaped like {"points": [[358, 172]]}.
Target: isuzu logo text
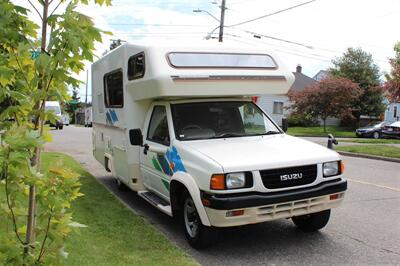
{"points": [[291, 176]]}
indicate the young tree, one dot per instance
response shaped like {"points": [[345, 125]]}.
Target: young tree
{"points": [[392, 84], [358, 66], [331, 97], [34, 69]]}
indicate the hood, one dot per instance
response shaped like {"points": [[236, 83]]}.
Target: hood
{"points": [[262, 152]]}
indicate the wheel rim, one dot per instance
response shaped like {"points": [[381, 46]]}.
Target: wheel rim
{"points": [[191, 218], [376, 135]]}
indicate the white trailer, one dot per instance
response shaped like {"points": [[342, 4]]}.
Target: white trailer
{"points": [[177, 125], [88, 117]]}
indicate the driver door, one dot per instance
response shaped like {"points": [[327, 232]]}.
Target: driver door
{"points": [[155, 167]]}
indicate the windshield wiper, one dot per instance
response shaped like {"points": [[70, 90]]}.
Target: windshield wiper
{"points": [[232, 135], [228, 135], [271, 133]]}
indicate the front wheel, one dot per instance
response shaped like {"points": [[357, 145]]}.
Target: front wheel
{"points": [[376, 135], [313, 221], [198, 235]]}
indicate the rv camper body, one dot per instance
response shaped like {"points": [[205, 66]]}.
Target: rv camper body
{"points": [[54, 107], [177, 125]]}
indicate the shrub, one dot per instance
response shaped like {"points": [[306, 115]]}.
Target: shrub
{"points": [[302, 120]]}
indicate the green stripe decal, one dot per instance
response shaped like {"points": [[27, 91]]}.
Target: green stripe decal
{"points": [[156, 164], [166, 184]]}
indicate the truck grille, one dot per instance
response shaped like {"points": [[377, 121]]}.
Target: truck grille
{"points": [[295, 176]]}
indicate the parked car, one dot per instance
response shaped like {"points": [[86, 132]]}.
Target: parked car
{"points": [[392, 130], [372, 130]]}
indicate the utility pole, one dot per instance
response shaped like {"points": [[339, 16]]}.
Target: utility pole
{"points": [[87, 78], [86, 100], [221, 22]]}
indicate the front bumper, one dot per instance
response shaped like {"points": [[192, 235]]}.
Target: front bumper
{"points": [[261, 207]]}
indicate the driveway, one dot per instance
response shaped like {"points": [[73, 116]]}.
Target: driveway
{"points": [[364, 230]]}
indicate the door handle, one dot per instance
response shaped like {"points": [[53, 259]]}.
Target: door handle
{"points": [[146, 148]]}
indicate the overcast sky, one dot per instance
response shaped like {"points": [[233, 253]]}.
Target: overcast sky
{"points": [[311, 35]]}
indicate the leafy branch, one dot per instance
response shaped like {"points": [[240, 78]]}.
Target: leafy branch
{"points": [[9, 205], [41, 253]]}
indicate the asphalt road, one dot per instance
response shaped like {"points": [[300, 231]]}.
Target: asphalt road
{"points": [[364, 230]]}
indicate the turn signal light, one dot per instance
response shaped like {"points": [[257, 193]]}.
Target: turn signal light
{"points": [[334, 196], [341, 167], [217, 182]]}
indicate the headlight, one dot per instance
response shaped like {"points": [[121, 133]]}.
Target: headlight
{"points": [[235, 180], [231, 181], [331, 168]]}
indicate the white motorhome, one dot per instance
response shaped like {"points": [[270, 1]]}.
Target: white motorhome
{"points": [[177, 125], [54, 107]]}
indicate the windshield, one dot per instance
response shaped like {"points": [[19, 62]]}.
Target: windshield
{"points": [[207, 120], [55, 109], [376, 124]]}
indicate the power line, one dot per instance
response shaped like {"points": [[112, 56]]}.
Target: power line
{"points": [[157, 33], [271, 14], [255, 34], [290, 51], [155, 25]]}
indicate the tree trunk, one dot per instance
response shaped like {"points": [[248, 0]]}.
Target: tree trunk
{"points": [[324, 119], [35, 160]]}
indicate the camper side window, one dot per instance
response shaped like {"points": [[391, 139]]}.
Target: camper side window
{"points": [[113, 89], [158, 127], [136, 66]]}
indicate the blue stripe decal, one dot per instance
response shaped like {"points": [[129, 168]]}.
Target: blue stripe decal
{"points": [[173, 157], [164, 165]]}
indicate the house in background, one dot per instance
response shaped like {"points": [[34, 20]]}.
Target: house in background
{"points": [[392, 112], [321, 75], [276, 106]]}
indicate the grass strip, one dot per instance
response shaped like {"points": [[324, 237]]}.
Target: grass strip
{"points": [[319, 131], [372, 141], [379, 150], [114, 235]]}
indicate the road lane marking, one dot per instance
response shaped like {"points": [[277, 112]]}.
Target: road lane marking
{"points": [[373, 184]]}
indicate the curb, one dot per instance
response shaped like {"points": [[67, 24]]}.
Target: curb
{"points": [[367, 156], [325, 136]]}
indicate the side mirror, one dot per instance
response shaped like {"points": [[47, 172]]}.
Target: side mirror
{"points": [[285, 124], [136, 137]]}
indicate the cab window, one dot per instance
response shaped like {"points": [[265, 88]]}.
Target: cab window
{"points": [[158, 127]]}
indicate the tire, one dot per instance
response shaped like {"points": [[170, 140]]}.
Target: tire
{"points": [[198, 235], [312, 222], [376, 135]]}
